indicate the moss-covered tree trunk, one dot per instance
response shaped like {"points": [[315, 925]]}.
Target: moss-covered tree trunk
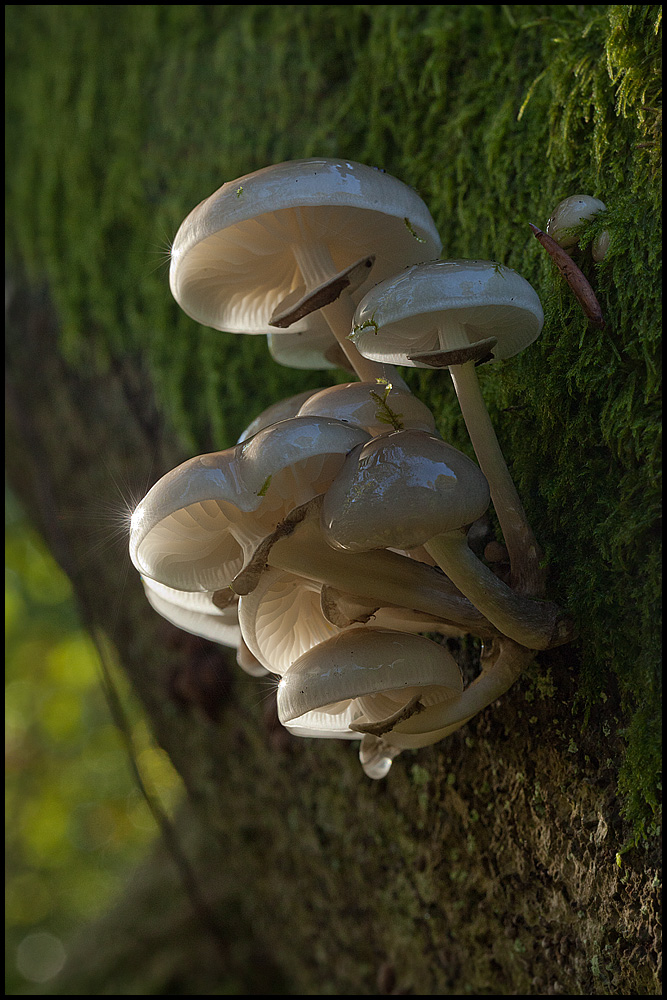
{"points": [[519, 855]]}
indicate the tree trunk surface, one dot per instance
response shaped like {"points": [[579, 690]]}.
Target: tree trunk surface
{"points": [[486, 864], [521, 854]]}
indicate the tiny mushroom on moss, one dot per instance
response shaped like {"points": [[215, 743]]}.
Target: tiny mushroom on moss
{"points": [[296, 245], [565, 223], [457, 314]]}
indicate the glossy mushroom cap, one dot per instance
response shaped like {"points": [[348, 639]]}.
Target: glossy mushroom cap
{"points": [[446, 305], [261, 238], [400, 490], [366, 664], [568, 216]]}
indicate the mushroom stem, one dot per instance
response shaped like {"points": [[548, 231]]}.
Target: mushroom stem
{"points": [[527, 577], [339, 315], [534, 624], [316, 266], [381, 575]]}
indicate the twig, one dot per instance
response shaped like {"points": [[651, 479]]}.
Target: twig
{"points": [[574, 277]]}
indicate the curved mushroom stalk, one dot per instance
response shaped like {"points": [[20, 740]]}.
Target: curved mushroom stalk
{"points": [[536, 624], [527, 574], [409, 488], [345, 609], [436, 721], [456, 314], [381, 577], [289, 246], [356, 675]]}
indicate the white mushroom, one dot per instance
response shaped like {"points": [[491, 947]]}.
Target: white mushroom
{"points": [[398, 691], [566, 219], [438, 720], [197, 527], [281, 619], [285, 615], [266, 249], [195, 612], [409, 488], [218, 520], [455, 314], [308, 350], [362, 676], [381, 578]]}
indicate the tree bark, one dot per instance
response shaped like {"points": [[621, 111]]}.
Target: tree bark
{"points": [[485, 864], [501, 860]]}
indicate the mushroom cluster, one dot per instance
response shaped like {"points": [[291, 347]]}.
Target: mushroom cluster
{"points": [[329, 545]]}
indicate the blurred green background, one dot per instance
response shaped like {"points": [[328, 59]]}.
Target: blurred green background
{"points": [[75, 820]]}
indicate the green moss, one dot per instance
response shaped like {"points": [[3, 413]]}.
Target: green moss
{"points": [[117, 127]]}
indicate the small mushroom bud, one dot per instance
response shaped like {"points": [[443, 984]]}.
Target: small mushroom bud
{"points": [[566, 220]]}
